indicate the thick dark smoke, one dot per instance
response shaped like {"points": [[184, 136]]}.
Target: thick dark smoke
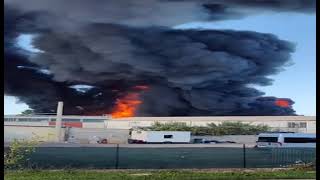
{"points": [[189, 72], [155, 12]]}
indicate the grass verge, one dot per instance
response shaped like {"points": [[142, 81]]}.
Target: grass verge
{"points": [[156, 175]]}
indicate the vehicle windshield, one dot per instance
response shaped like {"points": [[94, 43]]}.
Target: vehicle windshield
{"points": [[268, 139]]}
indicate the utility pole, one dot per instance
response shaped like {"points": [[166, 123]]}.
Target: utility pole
{"points": [[59, 121]]}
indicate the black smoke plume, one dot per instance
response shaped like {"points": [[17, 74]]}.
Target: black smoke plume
{"points": [[188, 72], [153, 12]]}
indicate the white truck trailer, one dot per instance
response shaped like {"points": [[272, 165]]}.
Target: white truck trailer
{"points": [[160, 137]]}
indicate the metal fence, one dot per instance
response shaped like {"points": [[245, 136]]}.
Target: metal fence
{"points": [[168, 157]]}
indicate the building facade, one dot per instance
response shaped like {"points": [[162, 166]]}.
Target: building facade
{"points": [[83, 128], [302, 124]]}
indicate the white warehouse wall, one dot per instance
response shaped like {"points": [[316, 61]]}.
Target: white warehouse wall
{"points": [[47, 134], [275, 122]]}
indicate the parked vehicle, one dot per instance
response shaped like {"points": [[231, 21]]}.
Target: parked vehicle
{"points": [[160, 137], [205, 141], [286, 140], [103, 141]]}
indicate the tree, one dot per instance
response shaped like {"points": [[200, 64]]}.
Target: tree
{"points": [[225, 128], [27, 112]]}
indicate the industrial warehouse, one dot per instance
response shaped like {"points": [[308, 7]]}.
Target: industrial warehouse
{"points": [[117, 130], [127, 142], [73, 142]]}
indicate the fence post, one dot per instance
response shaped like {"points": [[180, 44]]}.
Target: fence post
{"points": [[117, 157], [244, 156]]}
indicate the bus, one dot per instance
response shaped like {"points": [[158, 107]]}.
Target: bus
{"points": [[286, 140]]}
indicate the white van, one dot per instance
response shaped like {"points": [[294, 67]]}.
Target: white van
{"points": [[286, 140]]}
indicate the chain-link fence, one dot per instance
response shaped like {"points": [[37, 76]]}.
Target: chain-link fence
{"points": [[163, 157]]}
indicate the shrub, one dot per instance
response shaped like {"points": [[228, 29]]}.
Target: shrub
{"points": [[175, 126], [17, 156], [239, 128], [225, 128]]}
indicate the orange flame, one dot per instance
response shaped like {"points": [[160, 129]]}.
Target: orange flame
{"points": [[282, 103], [141, 87], [126, 106]]}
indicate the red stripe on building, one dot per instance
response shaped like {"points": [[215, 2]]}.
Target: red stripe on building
{"points": [[68, 124]]}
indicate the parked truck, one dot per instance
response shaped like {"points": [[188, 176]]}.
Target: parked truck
{"points": [[160, 137]]}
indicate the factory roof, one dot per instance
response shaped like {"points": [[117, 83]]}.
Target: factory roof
{"points": [[223, 118], [179, 118]]}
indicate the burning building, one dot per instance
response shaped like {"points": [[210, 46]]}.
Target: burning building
{"points": [[130, 61]]}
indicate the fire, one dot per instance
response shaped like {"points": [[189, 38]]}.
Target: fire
{"points": [[282, 103], [126, 106], [141, 87]]}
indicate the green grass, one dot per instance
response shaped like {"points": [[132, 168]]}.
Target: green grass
{"points": [[157, 175]]}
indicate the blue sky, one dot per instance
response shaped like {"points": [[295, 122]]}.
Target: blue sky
{"points": [[297, 82]]}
